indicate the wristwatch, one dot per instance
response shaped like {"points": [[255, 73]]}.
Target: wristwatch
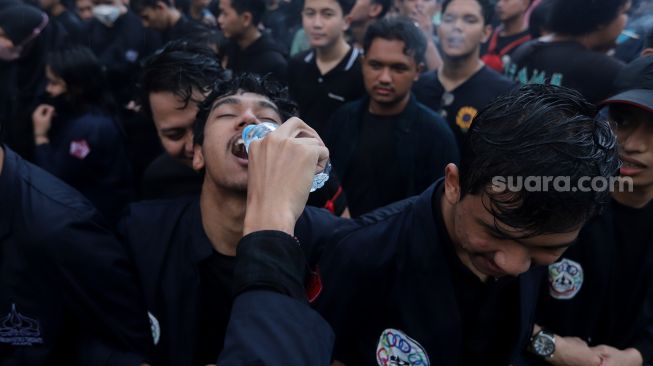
{"points": [[543, 344]]}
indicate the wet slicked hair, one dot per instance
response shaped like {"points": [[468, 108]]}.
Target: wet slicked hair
{"points": [[182, 68], [539, 130]]}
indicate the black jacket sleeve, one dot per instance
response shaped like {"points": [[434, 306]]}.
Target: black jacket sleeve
{"points": [[268, 327]]}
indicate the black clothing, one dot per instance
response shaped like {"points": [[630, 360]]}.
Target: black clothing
{"points": [[217, 288], [389, 281], [418, 146], [23, 86], [188, 29], [120, 48], [277, 23], [460, 106], [72, 24], [173, 257], [166, 178], [263, 56], [68, 293], [567, 64], [612, 301], [271, 323], [317, 95], [487, 310], [88, 152]]}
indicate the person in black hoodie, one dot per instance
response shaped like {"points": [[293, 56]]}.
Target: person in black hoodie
{"points": [[249, 50], [26, 35], [77, 137]]}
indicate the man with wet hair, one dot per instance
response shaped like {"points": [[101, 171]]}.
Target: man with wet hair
{"points": [[450, 277]]}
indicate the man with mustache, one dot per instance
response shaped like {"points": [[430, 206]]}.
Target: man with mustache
{"points": [[184, 249], [387, 146]]}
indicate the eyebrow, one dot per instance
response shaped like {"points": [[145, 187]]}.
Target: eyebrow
{"points": [[497, 232], [236, 101]]}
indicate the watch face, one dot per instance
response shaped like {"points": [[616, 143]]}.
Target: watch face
{"points": [[543, 345]]}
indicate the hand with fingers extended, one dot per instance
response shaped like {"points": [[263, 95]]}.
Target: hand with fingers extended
{"points": [[280, 174], [42, 121]]}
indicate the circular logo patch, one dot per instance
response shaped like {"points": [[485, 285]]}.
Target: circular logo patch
{"points": [[395, 348], [565, 279], [465, 117]]}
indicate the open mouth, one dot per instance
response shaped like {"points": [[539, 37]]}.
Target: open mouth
{"points": [[238, 149], [628, 164]]}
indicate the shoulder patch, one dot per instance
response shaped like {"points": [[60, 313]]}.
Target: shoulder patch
{"points": [[465, 117], [395, 348], [156, 329], [17, 329], [565, 279], [79, 149]]}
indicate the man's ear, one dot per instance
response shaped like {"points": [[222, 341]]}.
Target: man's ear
{"points": [[346, 23], [451, 184], [160, 5], [247, 19], [420, 70], [375, 11], [198, 158], [487, 33]]}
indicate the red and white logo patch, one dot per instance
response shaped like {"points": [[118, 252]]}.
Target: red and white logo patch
{"points": [[79, 149]]}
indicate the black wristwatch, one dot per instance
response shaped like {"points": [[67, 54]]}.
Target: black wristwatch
{"points": [[543, 344]]}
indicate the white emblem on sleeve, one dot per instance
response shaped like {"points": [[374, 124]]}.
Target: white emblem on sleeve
{"points": [[565, 279], [395, 348]]}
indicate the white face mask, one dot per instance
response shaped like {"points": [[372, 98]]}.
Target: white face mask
{"points": [[106, 14]]}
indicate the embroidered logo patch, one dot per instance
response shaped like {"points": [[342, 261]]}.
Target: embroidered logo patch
{"points": [[79, 149], [156, 329], [565, 279], [395, 348], [465, 117], [17, 329]]}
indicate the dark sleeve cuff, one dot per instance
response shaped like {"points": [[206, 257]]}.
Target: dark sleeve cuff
{"points": [[271, 260], [645, 348]]}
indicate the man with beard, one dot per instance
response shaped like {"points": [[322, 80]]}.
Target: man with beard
{"points": [[387, 146], [185, 249]]}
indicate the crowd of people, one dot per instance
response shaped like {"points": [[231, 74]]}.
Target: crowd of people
{"points": [[490, 202]]}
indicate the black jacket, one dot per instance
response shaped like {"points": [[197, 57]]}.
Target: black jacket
{"points": [[425, 145], [392, 273], [168, 245], [68, 294], [262, 57]]}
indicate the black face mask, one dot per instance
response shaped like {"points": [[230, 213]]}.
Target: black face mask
{"points": [[63, 107]]}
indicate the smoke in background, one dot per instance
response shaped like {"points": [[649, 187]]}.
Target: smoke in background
{"points": [[641, 16]]}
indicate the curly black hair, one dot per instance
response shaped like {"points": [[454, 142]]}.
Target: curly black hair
{"points": [[244, 83], [400, 29]]}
